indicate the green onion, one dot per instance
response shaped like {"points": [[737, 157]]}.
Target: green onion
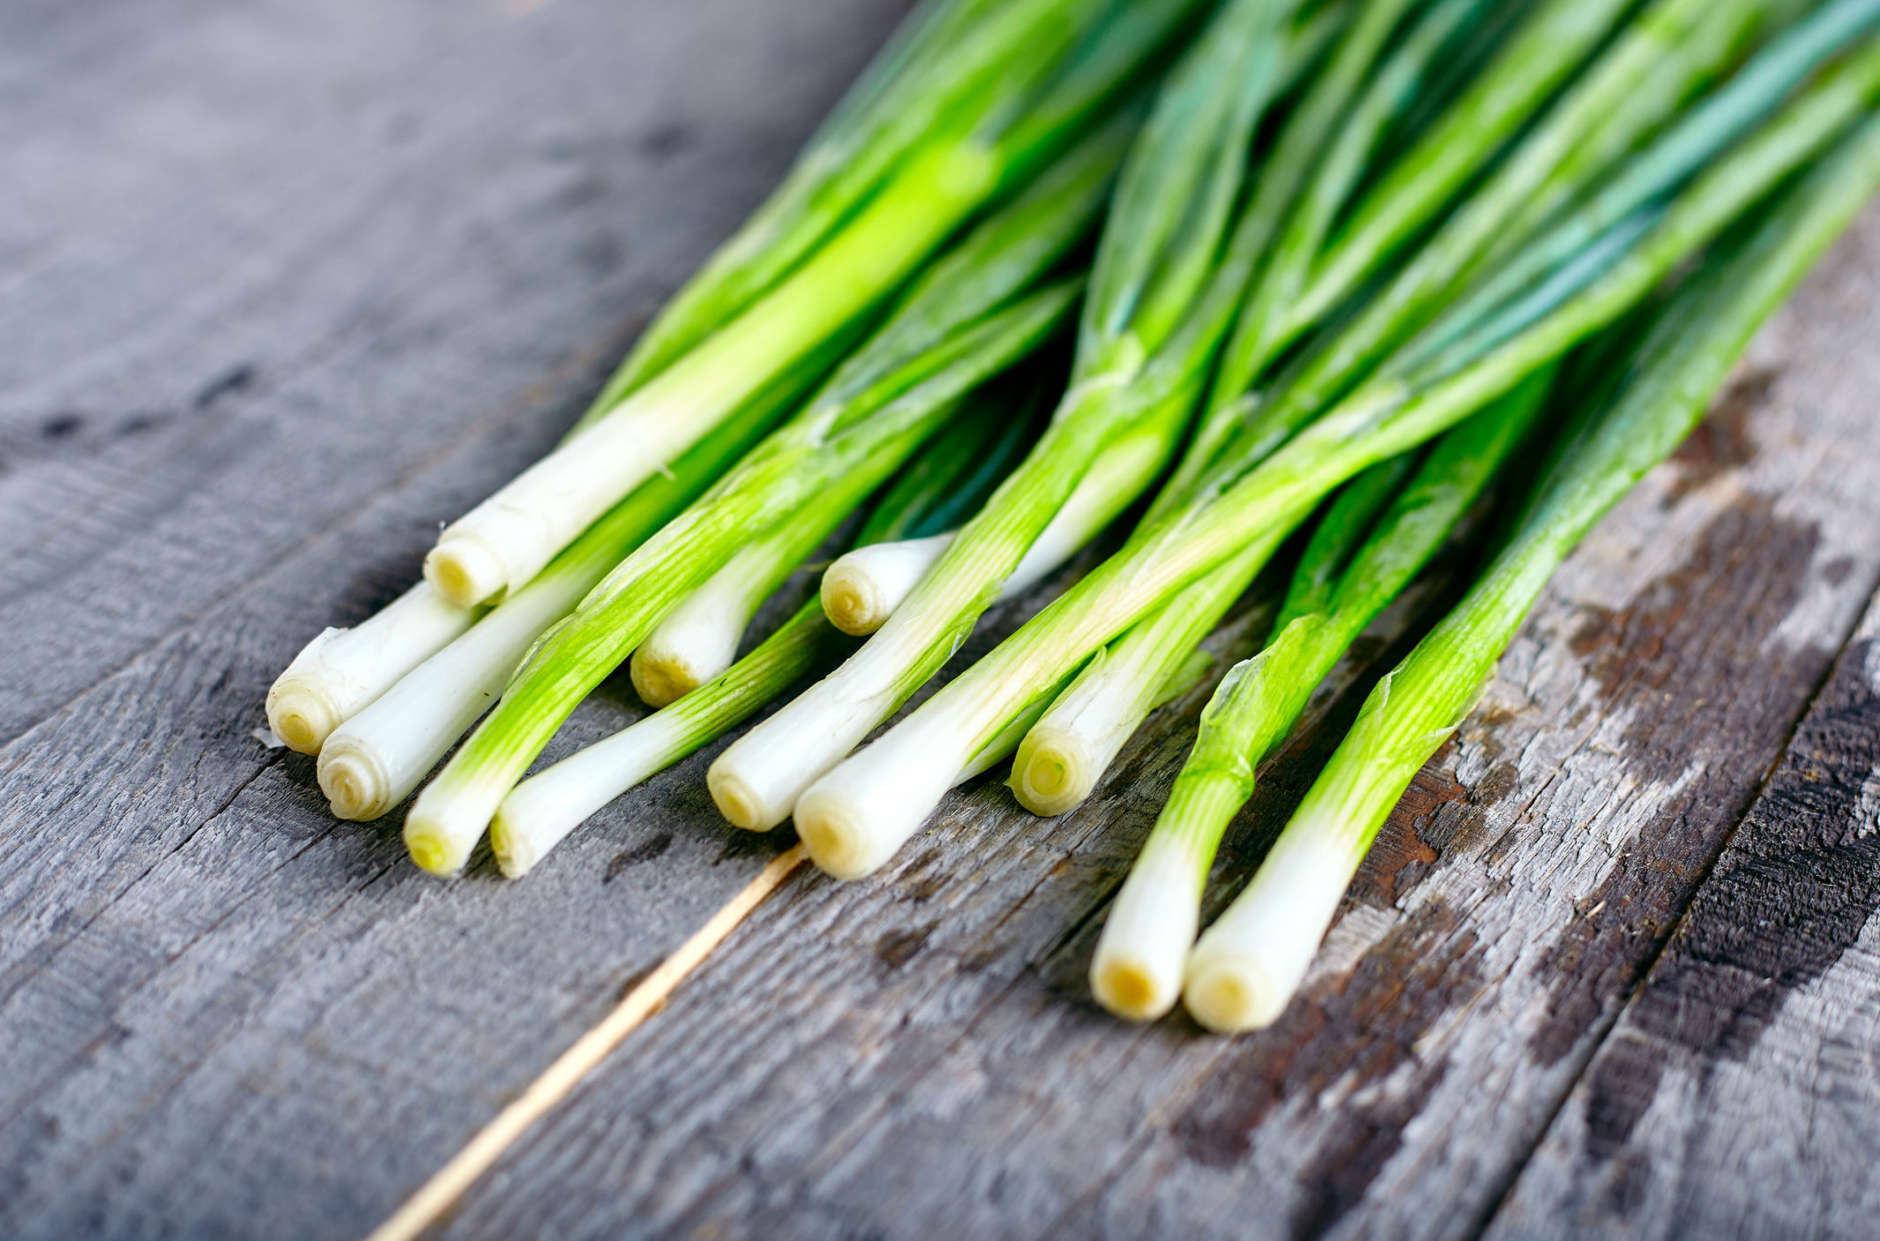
{"points": [[1355, 564], [699, 638], [862, 588], [342, 670], [1247, 966], [858, 815], [539, 812], [1167, 249]]}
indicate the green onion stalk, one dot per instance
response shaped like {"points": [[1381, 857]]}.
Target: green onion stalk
{"points": [[540, 812], [1061, 763], [1621, 101], [932, 493], [1023, 83], [342, 670], [863, 587], [989, 303], [858, 815], [1247, 966], [377, 757], [699, 638], [1356, 563], [1171, 260], [957, 470]]}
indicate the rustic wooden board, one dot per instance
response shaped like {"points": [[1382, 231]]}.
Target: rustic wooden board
{"points": [[284, 285], [1746, 1062]]}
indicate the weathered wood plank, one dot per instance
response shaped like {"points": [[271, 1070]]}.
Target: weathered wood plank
{"points": [[1735, 1096], [224, 1013], [273, 257], [915, 1054], [251, 231], [281, 1025]]}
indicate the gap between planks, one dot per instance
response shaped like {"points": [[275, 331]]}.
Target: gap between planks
{"points": [[449, 1183]]}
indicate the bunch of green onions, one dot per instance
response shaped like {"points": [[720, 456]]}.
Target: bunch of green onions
{"points": [[972, 99], [958, 467], [1249, 268], [854, 818], [1062, 760]]}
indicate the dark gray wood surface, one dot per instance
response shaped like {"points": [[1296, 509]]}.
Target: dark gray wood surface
{"points": [[282, 285]]}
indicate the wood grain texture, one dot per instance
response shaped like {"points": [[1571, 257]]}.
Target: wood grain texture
{"points": [[176, 910], [1737, 1092], [283, 285], [888, 1058]]}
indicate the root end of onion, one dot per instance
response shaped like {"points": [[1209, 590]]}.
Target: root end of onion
{"points": [[514, 857], [1047, 778], [303, 721], [465, 571], [736, 801], [1231, 996], [841, 847], [660, 683], [851, 605], [353, 786], [1130, 989], [431, 853]]}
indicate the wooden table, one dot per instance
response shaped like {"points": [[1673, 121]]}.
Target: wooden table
{"points": [[282, 285]]}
